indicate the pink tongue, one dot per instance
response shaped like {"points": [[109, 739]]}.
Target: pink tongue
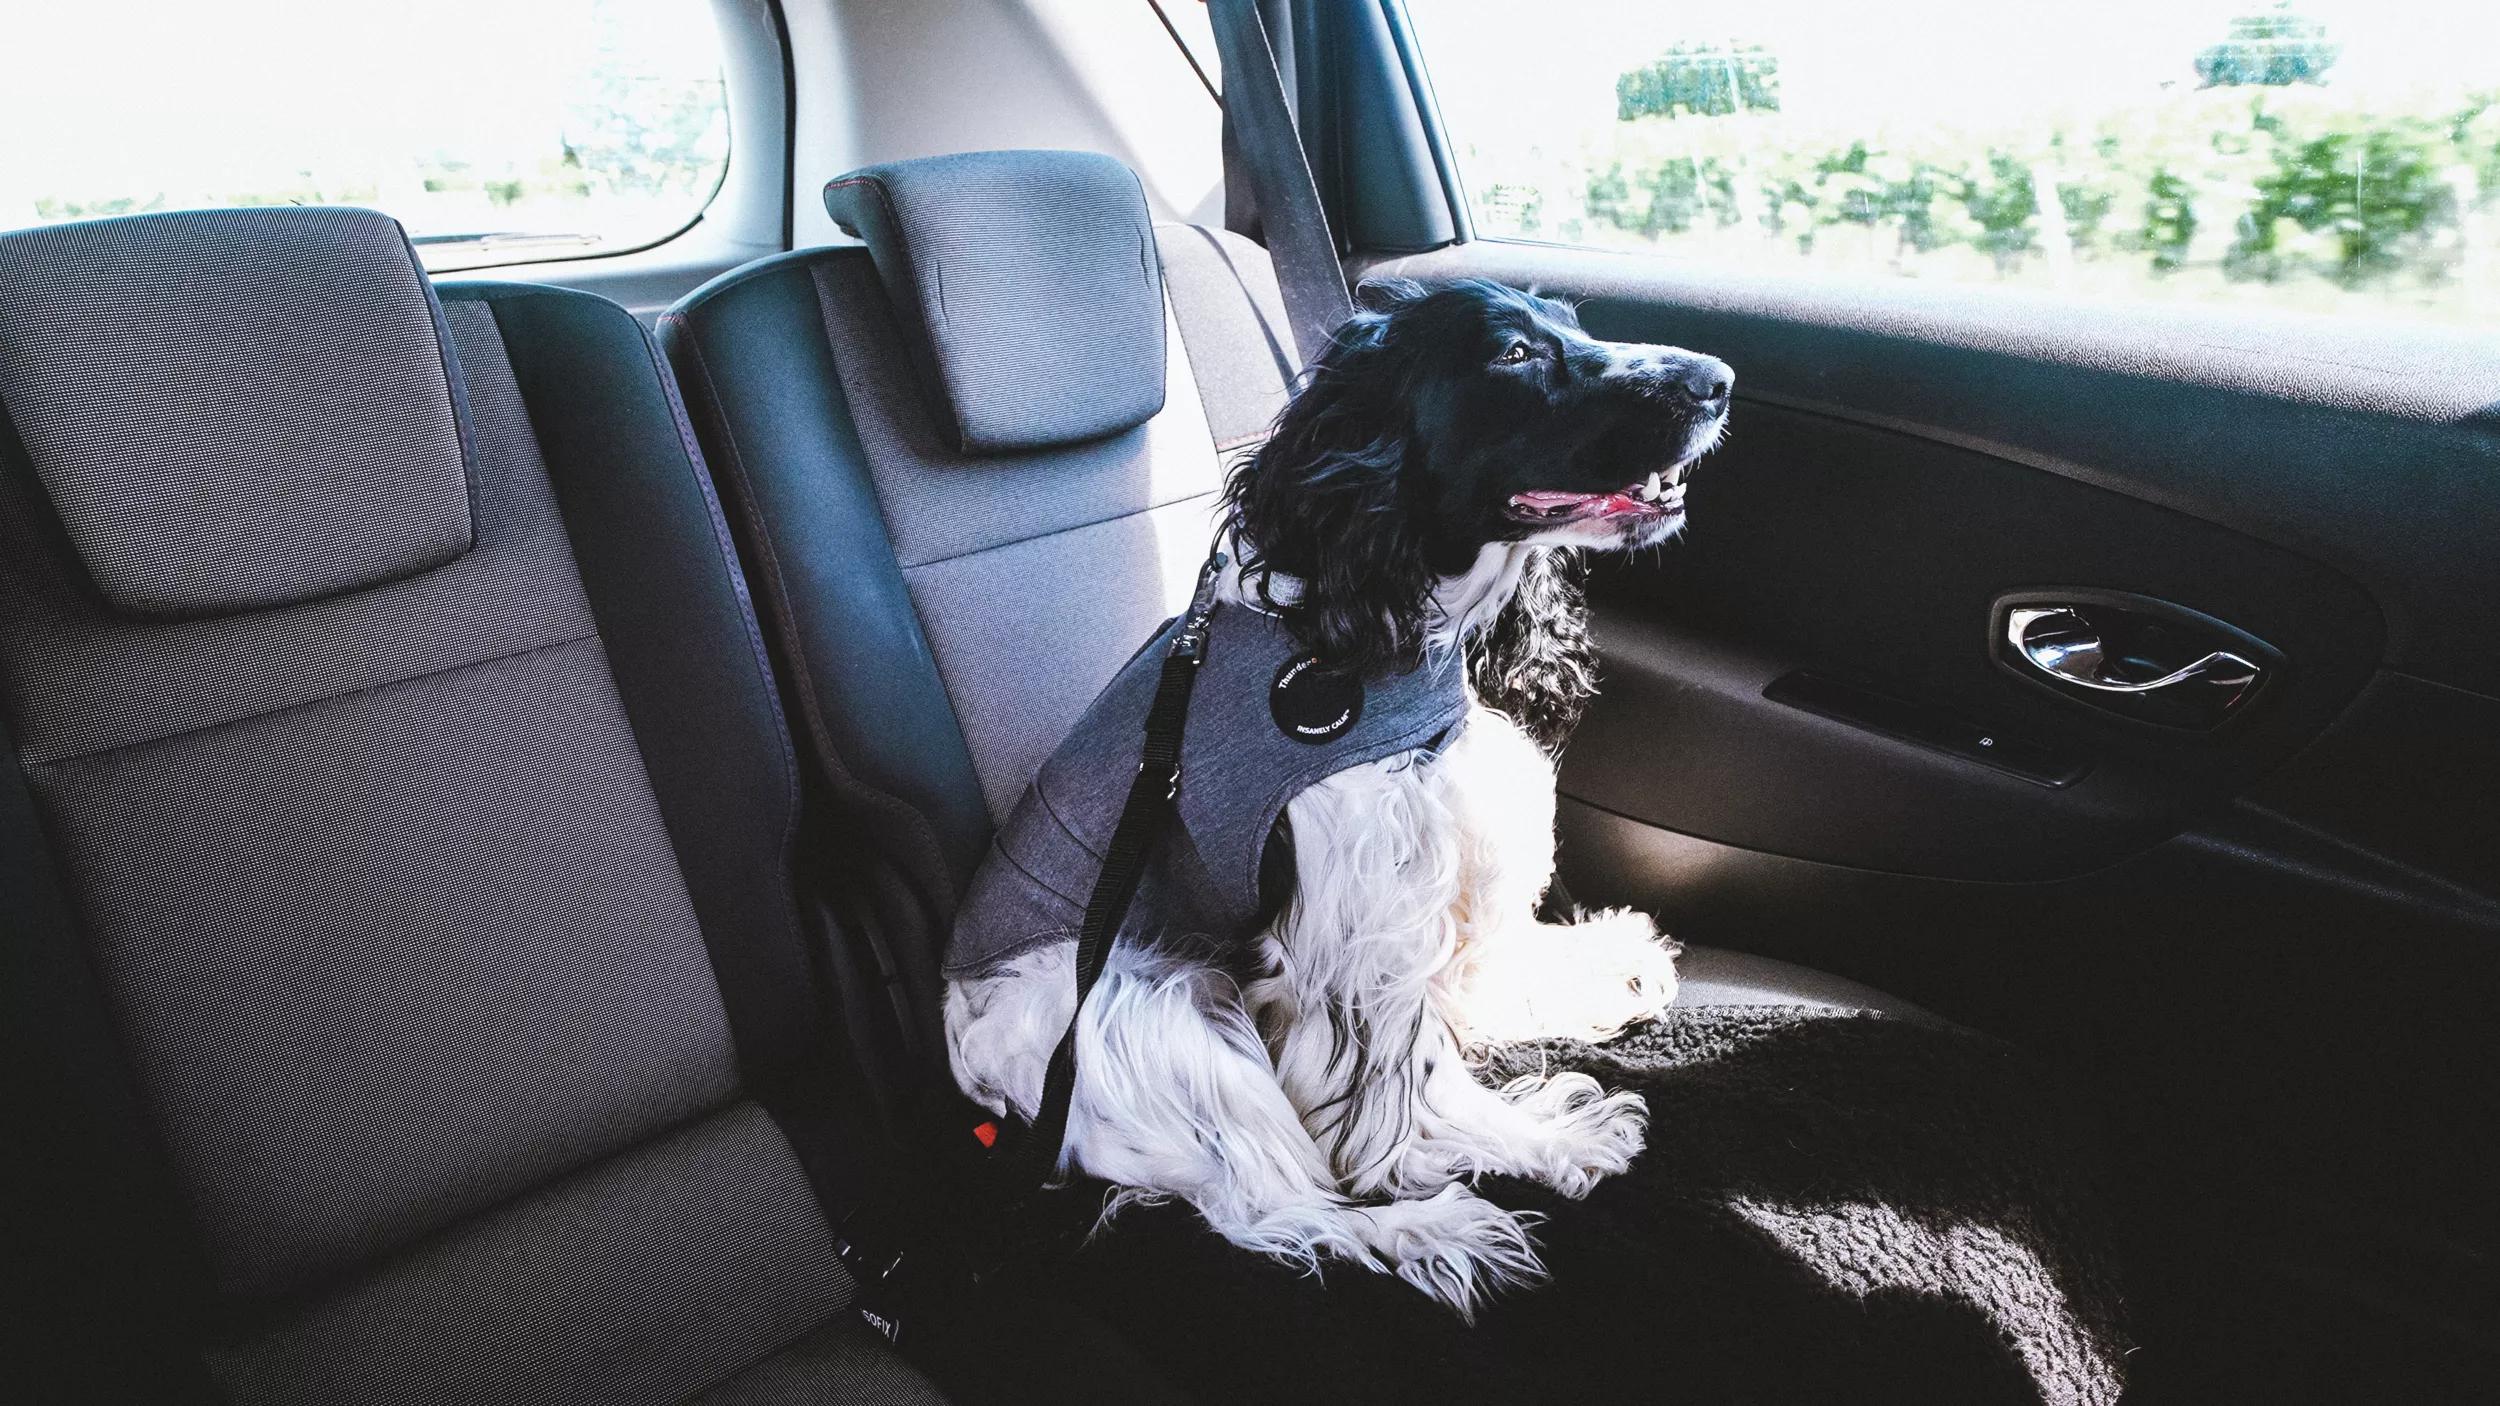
{"points": [[1582, 505]]}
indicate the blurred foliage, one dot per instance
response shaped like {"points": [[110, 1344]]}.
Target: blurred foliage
{"points": [[2249, 177], [1705, 80], [2358, 203], [2169, 222], [629, 153], [53, 207], [633, 133], [2274, 49], [305, 189], [2266, 186], [627, 133]]}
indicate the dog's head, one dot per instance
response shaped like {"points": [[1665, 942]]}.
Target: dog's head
{"points": [[1442, 421]]}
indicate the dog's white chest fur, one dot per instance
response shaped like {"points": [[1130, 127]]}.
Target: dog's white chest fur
{"points": [[1337, 1075]]}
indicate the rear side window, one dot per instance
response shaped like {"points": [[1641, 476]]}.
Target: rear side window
{"points": [[2325, 155], [497, 131]]}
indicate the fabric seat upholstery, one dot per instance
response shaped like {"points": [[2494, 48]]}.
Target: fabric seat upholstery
{"points": [[435, 876], [929, 668]]}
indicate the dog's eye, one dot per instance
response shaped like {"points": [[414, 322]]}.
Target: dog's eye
{"points": [[1514, 354]]}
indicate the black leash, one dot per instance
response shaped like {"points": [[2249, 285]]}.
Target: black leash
{"points": [[1291, 217], [1150, 798]]}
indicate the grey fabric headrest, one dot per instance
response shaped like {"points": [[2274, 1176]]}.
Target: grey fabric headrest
{"points": [[236, 409], [1028, 289]]}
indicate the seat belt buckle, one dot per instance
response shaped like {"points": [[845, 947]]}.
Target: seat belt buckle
{"points": [[874, 1258], [890, 1255]]}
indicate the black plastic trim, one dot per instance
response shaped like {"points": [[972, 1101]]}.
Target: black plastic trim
{"points": [[789, 123], [1937, 729]]}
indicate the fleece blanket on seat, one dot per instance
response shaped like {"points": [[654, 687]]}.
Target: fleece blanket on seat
{"points": [[1832, 1207]]}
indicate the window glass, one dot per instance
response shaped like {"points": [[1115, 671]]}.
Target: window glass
{"points": [[497, 131], [2328, 155]]}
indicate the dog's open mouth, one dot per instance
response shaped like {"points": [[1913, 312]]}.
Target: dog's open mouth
{"points": [[1660, 495]]}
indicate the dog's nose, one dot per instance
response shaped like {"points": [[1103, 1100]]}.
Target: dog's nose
{"points": [[1706, 382]]}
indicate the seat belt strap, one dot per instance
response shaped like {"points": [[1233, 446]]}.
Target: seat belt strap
{"points": [[1142, 819], [1270, 147]]}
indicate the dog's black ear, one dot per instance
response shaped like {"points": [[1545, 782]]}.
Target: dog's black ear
{"points": [[1321, 502], [1387, 294], [1536, 664]]}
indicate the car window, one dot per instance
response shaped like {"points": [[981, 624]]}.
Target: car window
{"points": [[497, 131], [2327, 155]]}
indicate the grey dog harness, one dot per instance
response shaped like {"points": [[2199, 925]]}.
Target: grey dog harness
{"points": [[1262, 726]]}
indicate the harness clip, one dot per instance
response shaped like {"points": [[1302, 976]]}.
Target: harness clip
{"points": [[1172, 786], [1191, 642]]}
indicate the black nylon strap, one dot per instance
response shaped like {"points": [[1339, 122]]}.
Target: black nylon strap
{"points": [[1290, 214], [1142, 818]]}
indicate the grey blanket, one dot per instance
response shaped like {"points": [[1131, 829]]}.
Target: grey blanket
{"points": [[1831, 1208]]}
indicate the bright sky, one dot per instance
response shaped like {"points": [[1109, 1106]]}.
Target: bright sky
{"points": [[232, 95], [1921, 57]]}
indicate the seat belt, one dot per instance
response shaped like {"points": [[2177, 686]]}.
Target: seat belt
{"points": [[1291, 217], [1142, 817]]}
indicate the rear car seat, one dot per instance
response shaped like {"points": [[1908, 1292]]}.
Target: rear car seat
{"points": [[406, 986], [973, 465]]}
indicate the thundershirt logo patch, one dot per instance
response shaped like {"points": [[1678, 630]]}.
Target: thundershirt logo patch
{"points": [[1314, 705]]}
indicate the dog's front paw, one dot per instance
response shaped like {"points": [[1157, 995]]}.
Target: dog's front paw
{"points": [[1608, 971], [1578, 981], [1455, 1246], [1588, 1133]]}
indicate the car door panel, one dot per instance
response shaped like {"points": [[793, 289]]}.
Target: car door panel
{"points": [[1901, 460], [1877, 556], [2270, 949], [2371, 448]]}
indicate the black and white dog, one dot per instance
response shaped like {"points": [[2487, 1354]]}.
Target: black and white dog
{"points": [[1421, 498]]}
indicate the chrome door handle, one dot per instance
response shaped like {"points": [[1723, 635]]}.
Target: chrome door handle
{"points": [[2059, 642]]}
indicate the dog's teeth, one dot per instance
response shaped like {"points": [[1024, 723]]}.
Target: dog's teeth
{"points": [[1655, 490]]}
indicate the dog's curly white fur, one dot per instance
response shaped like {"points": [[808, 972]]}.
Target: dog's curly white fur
{"points": [[1248, 1104], [1325, 1106]]}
